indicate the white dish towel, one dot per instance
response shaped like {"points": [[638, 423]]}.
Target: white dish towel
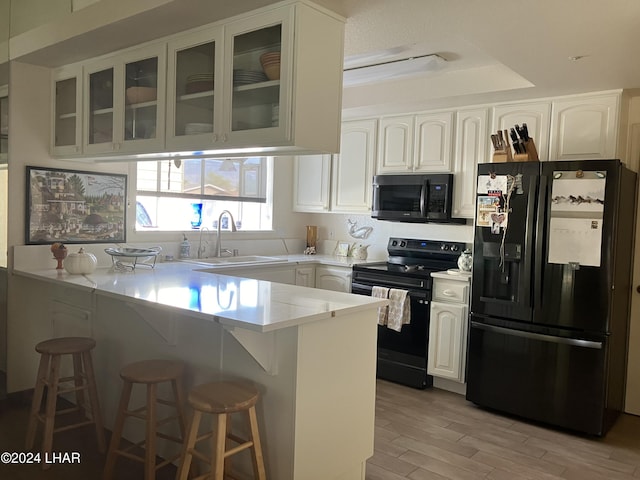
{"points": [[399, 309], [383, 312]]}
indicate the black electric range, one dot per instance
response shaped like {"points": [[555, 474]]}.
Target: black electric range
{"points": [[402, 356]]}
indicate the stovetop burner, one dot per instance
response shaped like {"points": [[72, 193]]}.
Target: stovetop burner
{"points": [[416, 257]]}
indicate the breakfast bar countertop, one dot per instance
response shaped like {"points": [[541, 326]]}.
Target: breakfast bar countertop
{"points": [[257, 305]]}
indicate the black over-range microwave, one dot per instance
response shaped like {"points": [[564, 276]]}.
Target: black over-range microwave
{"points": [[413, 198]]}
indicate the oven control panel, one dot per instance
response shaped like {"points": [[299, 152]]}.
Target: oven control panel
{"points": [[399, 246]]}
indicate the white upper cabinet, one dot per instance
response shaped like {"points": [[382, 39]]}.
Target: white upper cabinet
{"points": [[311, 178], [585, 127], [255, 95], [66, 138], [433, 142], [537, 116], [4, 123], [415, 143], [124, 103], [352, 169], [395, 144], [471, 148], [269, 81], [194, 91]]}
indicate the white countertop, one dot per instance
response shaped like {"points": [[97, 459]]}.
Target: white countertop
{"points": [[246, 303], [453, 274]]}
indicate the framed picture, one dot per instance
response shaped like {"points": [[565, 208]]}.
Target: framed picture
{"points": [[72, 206], [342, 249]]}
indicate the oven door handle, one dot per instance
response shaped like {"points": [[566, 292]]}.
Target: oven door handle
{"points": [[363, 289]]}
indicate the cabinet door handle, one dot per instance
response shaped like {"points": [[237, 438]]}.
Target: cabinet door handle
{"points": [[448, 293], [215, 137], [224, 137]]}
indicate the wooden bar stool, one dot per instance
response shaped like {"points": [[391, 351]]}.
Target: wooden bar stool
{"points": [[222, 399], [151, 373], [51, 352]]}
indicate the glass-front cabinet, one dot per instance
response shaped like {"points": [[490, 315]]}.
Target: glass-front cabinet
{"points": [[226, 84], [246, 83], [4, 123], [260, 53], [124, 103], [195, 89], [67, 111]]}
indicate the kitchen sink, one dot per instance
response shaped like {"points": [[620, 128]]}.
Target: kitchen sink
{"points": [[239, 260]]}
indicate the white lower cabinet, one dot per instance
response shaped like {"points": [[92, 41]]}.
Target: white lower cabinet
{"points": [[279, 274], [337, 279], [306, 276], [448, 328]]}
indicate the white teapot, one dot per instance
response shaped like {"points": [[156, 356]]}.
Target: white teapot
{"points": [[359, 251], [80, 263]]}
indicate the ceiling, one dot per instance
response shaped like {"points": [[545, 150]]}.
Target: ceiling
{"points": [[496, 50]]}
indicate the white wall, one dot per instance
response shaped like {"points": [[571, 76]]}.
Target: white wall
{"points": [[334, 227]]}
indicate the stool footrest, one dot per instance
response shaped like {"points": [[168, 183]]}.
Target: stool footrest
{"points": [[239, 448], [75, 425], [136, 413], [169, 437], [204, 436], [131, 456], [72, 389], [166, 420], [168, 461], [64, 411], [199, 455], [236, 438], [72, 378], [166, 402]]}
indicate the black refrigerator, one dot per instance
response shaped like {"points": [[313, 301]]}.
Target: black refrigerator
{"points": [[551, 289]]}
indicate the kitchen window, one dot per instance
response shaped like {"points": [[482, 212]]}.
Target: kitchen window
{"points": [[175, 195]]}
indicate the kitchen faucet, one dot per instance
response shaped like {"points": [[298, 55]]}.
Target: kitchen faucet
{"points": [[233, 229], [201, 249]]}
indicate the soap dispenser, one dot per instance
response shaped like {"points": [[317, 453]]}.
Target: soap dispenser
{"points": [[185, 247]]}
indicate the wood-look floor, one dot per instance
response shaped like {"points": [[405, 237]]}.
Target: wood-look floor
{"points": [[420, 434], [435, 434]]}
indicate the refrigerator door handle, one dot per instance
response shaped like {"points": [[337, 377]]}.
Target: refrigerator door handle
{"points": [[576, 342], [540, 239], [528, 235]]}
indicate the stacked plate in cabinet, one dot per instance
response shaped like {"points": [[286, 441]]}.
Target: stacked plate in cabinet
{"points": [[196, 128], [247, 77], [199, 82]]}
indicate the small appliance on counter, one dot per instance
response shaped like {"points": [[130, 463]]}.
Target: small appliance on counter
{"points": [[402, 356]]}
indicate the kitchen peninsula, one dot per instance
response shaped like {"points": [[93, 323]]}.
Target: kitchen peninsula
{"points": [[311, 352]]}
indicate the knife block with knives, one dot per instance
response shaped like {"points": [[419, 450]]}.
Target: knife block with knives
{"points": [[524, 148]]}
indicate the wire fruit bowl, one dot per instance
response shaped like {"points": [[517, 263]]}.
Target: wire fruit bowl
{"points": [[127, 258]]}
